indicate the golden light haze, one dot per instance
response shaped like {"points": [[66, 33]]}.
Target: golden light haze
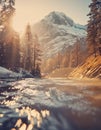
{"points": [[34, 10]]}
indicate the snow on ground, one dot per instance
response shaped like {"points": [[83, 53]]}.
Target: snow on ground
{"points": [[8, 75], [5, 73]]}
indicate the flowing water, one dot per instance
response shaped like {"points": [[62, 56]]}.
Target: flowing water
{"points": [[50, 104]]}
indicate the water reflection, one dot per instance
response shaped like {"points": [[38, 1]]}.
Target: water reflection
{"points": [[39, 105], [34, 117], [24, 119], [43, 118]]}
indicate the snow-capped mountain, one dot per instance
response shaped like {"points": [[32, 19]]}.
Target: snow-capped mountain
{"points": [[58, 35], [57, 31]]}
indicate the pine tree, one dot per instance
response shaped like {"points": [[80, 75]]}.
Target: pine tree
{"points": [[98, 21], [9, 39], [77, 50], [28, 48], [94, 30], [59, 60], [37, 57], [7, 12], [31, 52]]}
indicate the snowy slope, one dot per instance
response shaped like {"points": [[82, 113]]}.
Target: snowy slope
{"points": [[56, 32], [5, 73]]}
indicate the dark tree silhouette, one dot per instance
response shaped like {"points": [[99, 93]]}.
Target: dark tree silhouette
{"points": [[27, 51], [9, 39], [31, 53], [37, 57], [94, 27]]}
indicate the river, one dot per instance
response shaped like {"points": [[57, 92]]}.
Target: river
{"points": [[50, 104]]}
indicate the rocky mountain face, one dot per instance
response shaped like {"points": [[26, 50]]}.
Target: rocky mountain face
{"points": [[63, 41]]}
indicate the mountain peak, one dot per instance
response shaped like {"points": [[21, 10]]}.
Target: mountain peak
{"points": [[57, 32], [59, 18]]}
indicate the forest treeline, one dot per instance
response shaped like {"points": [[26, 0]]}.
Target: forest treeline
{"points": [[26, 53], [16, 53], [94, 28]]}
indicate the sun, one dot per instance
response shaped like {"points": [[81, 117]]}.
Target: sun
{"points": [[18, 23]]}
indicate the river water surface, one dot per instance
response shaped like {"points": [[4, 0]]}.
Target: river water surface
{"points": [[50, 104]]}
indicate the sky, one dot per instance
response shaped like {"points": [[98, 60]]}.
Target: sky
{"points": [[31, 11]]}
